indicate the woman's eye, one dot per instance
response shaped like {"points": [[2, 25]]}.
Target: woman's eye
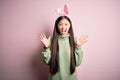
{"points": [[59, 24], [66, 24]]}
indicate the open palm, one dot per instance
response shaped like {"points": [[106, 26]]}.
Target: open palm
{"points": [[44, 40], [82, 40]]}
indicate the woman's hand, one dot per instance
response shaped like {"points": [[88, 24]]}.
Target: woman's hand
{"points": [[44, 40], [83, 39]]}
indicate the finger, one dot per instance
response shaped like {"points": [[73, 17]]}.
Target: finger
{"points": [[44, 35], [41, 37], [49, 38], [87, 39], [86, 36]]}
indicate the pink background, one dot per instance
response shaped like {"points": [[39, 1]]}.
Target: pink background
{"points": [[20, 49]]}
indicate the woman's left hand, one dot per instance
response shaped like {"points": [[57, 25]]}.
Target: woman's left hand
{"points": [[83, 39]]}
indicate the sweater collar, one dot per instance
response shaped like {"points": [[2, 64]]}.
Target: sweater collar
{"points": [[63, 36]]}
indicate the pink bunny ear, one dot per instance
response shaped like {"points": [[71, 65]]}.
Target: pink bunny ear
{"points": [[59, 11], [66, 9]]}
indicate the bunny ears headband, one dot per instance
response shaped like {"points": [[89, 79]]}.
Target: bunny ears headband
{"points": [[64, 11]]}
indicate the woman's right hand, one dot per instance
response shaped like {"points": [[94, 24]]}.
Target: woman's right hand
{"points": [[44, 40]]}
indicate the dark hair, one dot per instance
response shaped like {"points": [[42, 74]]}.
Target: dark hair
{"points": [[54, 47]]}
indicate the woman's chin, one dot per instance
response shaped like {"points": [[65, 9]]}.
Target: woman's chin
{"points": [[63, 34]]}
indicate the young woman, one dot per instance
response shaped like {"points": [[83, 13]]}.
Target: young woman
{"points": [[62, 52]]}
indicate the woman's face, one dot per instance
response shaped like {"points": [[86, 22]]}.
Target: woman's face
{"points": [[63, 26]]}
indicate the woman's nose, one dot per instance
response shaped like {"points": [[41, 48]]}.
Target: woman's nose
{"points": [[63, 26]]}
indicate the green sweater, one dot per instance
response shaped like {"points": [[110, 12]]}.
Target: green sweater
{"points": [[64, 59]]}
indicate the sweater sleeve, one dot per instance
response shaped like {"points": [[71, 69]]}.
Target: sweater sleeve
{"points": [[78, 56], [46, 54]]}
